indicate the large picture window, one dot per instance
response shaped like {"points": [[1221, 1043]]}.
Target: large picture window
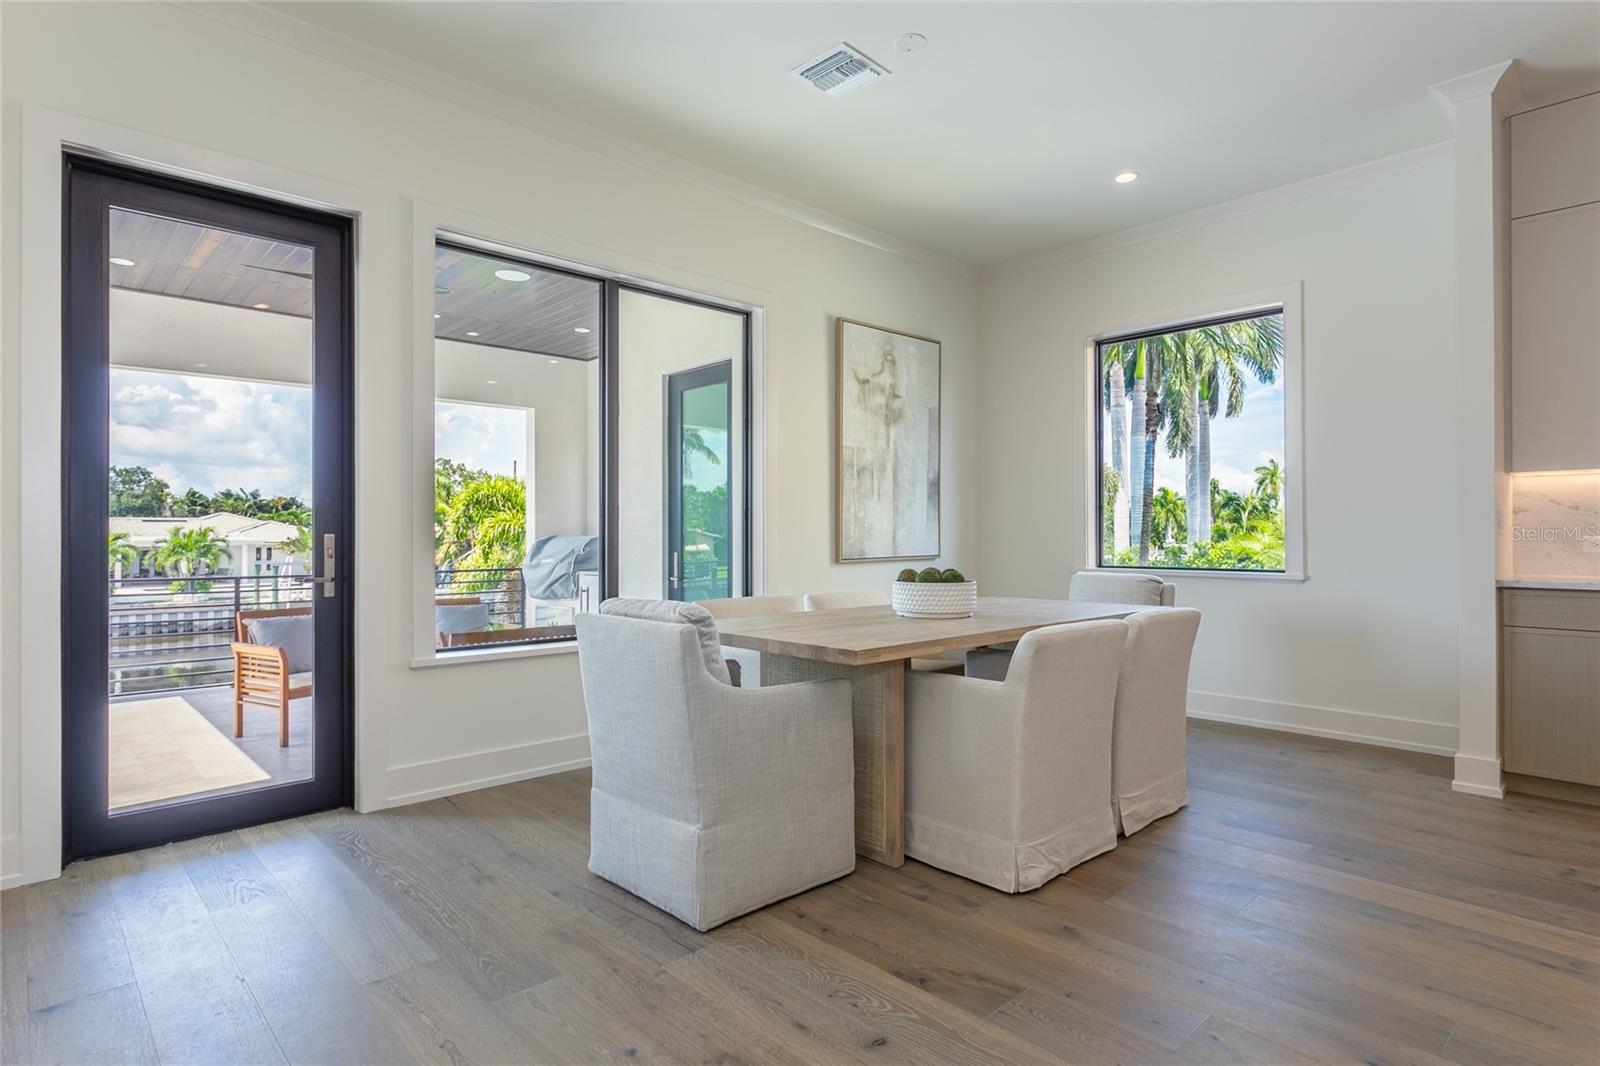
{"points": [[1192, 470], [590, 440]]}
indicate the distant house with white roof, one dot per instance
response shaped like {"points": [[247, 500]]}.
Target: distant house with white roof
{"points": [[256, 546]]}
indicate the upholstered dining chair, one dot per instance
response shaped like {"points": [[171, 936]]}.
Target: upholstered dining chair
{"points": [[950, 662], [743, 607], [708, 801], [1100, 586], [1096, 586], [1149, 778], [1009, 783]]}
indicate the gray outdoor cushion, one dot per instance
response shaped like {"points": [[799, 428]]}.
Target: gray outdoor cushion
{"points": [[460, 617], [683, 614], [294, 633]]}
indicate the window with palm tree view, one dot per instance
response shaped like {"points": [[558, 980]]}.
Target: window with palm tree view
{"points": [[1191, 446]]}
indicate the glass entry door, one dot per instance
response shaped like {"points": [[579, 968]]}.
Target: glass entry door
{"points": [[699, 478], [207, 456]]}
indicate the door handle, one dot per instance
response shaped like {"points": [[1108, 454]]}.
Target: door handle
{"points": [[325, 579], [674, 575]]}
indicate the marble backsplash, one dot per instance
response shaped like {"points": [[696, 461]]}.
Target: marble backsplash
{"points": [[1555, 525]]}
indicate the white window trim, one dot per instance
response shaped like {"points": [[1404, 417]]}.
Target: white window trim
{"points": [[433, 222], [1287, 296]]}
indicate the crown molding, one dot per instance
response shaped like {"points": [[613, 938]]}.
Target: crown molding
{"points": [[1499, 81], [1323, 184], [284, 29]]}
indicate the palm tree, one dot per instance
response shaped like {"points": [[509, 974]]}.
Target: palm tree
{"points": [[1269, 484], [1261, 544], [1167, 515], [1209, 365], [121, 555], [1114, 395], [485, 524], [186, 552]]}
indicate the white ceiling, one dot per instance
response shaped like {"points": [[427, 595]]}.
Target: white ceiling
{"points": [[1001, 137]]}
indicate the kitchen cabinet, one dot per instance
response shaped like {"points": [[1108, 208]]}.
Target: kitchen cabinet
{"points": [[1550, 677], [1555, 340]]}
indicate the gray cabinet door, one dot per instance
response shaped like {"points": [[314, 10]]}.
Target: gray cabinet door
{"points": [[1552, 704], [1555, 340]]}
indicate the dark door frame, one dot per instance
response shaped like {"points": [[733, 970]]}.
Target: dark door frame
{"points": [[92, 187], [676, 384]]}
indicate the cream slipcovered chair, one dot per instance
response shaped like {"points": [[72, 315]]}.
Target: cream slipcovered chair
{"points": [[1149, 779], [708, 801], [1096, 586], [743, 607], [1099, 586], [1009, 783], [837, 601]]}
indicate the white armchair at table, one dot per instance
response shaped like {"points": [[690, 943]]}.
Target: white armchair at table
{"points": [[744, 607], [1149, 777], [708, 801], [1009, 783]]}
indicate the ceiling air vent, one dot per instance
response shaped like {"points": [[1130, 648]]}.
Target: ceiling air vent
{"points": [[839, 70]]}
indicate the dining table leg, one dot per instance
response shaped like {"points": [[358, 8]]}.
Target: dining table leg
{"points": [[878, 715]]}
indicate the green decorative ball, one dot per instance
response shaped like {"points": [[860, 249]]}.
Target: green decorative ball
{"points": [[952, 576], [908, 574], [930, 575]]}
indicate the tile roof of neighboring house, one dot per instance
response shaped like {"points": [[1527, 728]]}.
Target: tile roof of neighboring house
{"points": [[226, 526]]}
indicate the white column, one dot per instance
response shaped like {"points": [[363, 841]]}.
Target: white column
{"points": [[1477, 104]]}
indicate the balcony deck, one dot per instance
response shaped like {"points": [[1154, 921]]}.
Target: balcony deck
{"points": [[179, 744]]}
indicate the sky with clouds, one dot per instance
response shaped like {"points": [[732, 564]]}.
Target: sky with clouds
{"points": [[482, 436], [213, 433]]}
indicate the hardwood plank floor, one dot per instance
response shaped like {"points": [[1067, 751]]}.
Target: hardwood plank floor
{"points": [[1316, 902]]}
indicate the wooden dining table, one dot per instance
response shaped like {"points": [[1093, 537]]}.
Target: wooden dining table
{"points": [[872, 648]]}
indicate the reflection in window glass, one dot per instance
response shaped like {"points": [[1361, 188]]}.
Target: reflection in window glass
{"points": [[516, 450]]}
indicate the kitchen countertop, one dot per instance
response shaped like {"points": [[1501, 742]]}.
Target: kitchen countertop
{"points": [[1585, 584]]}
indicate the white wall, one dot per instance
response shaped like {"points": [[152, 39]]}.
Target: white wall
{"points": [[246, 99], [1367, 645], [556, 391]]}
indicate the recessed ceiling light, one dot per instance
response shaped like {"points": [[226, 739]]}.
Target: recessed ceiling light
{"points": [[436, 314], [261, 307], [580, 329], [1127, 176], [555, 362], [513, 275], [490, 381], [472, 333], [118, 261], [200, 366], [910, 42]]}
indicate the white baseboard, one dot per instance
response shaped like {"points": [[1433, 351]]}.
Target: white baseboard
{"points": [[433, 778], [1477, 775], [1410, 734], [10, 862]]}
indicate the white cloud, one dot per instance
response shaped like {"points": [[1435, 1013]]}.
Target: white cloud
{"points": [[213, 433], [1233, 479]]}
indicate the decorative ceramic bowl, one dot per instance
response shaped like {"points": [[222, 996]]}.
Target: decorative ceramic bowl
{"points": [[934, 599]]}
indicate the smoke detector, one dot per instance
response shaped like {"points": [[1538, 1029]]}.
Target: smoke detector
{"points": [[839, 70]]}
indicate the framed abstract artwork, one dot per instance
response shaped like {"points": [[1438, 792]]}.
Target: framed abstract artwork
{"points": [[886, 444]]}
